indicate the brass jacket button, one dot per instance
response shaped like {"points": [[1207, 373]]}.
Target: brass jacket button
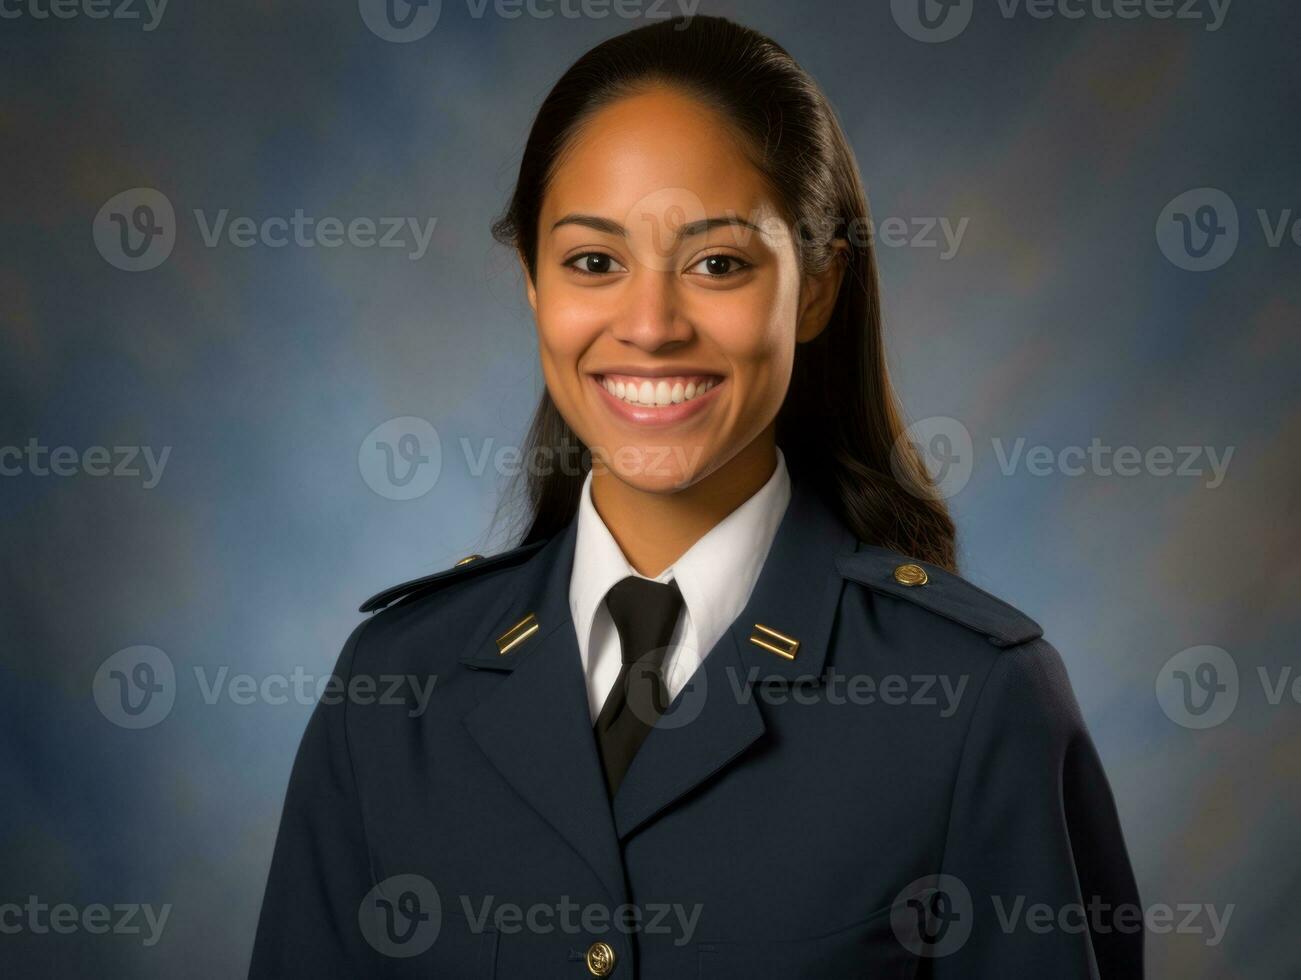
{"points": [[600, 959], [910, 575], [466, 560]]}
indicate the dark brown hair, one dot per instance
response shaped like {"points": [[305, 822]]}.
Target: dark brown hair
{"points": [[840, 426]]}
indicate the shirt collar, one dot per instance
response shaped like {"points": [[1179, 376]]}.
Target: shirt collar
{"points": [[716, 574]]}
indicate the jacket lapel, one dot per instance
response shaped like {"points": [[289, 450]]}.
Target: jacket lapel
{"points": [[536, 727], [715, 718]]}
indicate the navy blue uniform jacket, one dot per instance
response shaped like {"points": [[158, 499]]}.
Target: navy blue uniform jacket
{"points": [[903, 793]]}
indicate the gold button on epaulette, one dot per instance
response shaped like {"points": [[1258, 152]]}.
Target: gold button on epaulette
{"points": [[466, 560], [911, 575]]}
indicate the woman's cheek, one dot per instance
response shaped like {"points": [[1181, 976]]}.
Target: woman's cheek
{"points": [[746, 328], [569, 327]]}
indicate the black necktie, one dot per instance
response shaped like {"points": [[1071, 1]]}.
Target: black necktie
{"points": [[644, 613]]}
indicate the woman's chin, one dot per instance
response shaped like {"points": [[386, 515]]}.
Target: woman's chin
{"points": [[653, 468]]}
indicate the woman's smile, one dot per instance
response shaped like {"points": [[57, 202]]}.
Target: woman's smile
{"points": [[651, 400]]}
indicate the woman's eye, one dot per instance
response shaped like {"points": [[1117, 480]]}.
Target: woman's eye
{"points": [[594, 264], [719, 266]]}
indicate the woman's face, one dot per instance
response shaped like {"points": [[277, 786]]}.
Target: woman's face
{"points": [[668, 293]]}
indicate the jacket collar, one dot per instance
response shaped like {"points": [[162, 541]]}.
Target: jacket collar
{"points": [[535, 726], [716, 576], [795, 595]]}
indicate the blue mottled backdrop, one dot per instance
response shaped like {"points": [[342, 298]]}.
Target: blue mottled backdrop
{"points": [[1087, 227]]}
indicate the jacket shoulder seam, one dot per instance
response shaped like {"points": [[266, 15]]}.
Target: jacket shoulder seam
{"points": [[459, 572]]}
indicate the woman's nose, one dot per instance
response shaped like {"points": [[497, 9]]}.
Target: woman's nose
{"points": [[651, 317]]}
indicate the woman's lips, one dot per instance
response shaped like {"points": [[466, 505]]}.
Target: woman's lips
{"points": [[651, 416]]}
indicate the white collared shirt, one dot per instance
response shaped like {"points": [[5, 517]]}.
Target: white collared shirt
{"points": [[716, 576]]}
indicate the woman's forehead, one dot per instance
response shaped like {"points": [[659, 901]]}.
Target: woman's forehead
{"points": [[657, 147]]}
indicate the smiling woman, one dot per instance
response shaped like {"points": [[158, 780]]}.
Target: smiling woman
{"points": [[665, 265], [697, 703]]}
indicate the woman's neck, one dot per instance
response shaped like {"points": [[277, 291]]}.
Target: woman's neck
{"points": [[656, 529]]}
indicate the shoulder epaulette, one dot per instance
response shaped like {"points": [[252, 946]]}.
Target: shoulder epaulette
{"points": [[466, 568], [940, 591]]}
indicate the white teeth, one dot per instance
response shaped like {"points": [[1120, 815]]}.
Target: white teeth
{"points": [[658, 393]]}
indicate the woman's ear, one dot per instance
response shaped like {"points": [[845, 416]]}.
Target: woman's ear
{"points": [[818, 294], [529, 287]]}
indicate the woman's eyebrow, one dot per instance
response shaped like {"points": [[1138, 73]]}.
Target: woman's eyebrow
{"points": [[611, 227]]}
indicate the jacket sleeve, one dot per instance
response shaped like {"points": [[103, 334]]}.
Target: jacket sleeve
{"points": [[320, 871], [1034, 838]]}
